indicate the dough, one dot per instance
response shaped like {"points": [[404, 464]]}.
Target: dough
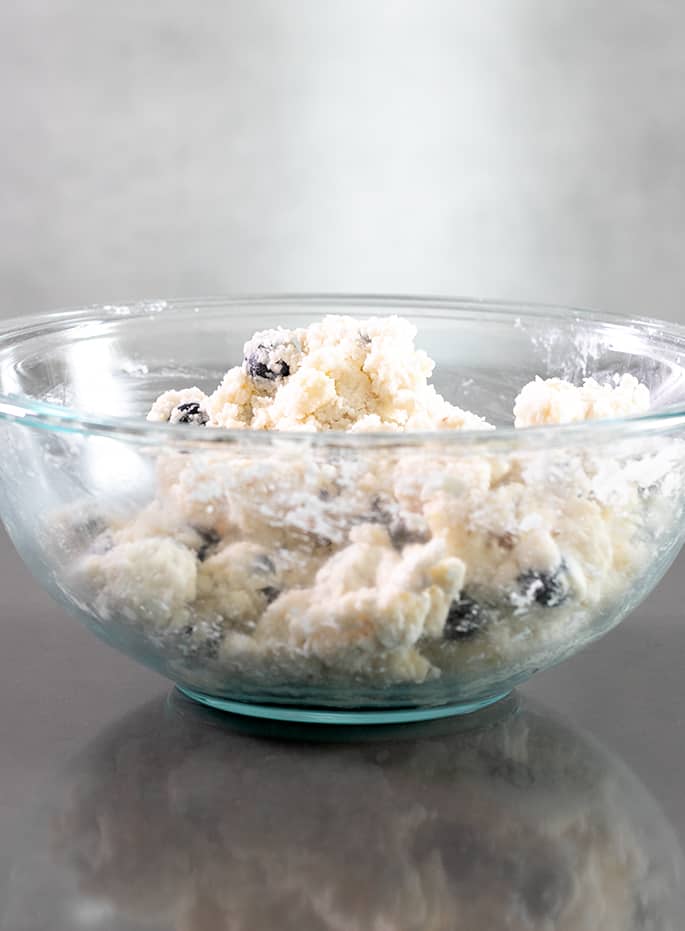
{"points": [[296, 565], [340, 374], [554, 400]]}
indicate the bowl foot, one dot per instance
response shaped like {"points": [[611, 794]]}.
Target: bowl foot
{"points": [[340, 715]]}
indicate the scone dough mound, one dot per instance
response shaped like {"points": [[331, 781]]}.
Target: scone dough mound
{"points": [[311, 563], [553, 400], [338, 374]]}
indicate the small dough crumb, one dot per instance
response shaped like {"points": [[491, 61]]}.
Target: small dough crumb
{"points": [[186, 406]]}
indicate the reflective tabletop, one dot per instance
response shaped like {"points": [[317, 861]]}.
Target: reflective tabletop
{"points": [[125, 806]]}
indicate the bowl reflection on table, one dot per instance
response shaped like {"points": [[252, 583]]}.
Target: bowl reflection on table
{"points": [[308, 571], [181, 818]]}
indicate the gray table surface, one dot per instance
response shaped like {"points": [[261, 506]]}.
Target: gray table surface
{"points": [[61, 690]]}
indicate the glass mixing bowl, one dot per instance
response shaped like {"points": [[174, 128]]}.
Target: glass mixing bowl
{"points": [[303, 575]]}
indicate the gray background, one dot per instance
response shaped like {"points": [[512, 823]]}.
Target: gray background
{"points": [[529, 149]]}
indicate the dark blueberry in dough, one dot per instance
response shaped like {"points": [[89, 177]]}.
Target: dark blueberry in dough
{"points": [[270, 593], [376, 515], [207, 649], [548, 589], [380, 505], [264, 563], [402, 529], [379, 512], [402, 534], [94, 526], [210, 538], [257, 365], [464, 619], [189, 412], [203, 551]]}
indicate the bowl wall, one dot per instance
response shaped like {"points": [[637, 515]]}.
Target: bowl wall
{"points": [[350, 572]]}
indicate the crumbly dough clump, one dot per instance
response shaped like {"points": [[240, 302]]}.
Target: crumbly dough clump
{"points": [[287, 567], [339, 374], [553, 400]]}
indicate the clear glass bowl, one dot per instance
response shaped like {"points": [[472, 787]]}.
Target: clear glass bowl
{"points": [[302, 575]]}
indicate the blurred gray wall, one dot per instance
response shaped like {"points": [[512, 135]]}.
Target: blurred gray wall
{"points": [[531, 149]]}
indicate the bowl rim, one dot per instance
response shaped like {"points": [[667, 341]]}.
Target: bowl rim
{"points": [[28, 411]]}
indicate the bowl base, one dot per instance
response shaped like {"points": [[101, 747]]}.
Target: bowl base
{"points": [[340, 715]]}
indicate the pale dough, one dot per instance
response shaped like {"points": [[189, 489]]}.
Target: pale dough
{"points": [[340, 374], [394, 565], [553, 400]]}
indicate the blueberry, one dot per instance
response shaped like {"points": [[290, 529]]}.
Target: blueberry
{"points": [[464, 619], [94, 526], [548, 589], [199, 641], [258, 366], [379, 510], [209, 539], [264, 565], [402, 530], [270, 593], [189, 412], [379, 513], [401, 533]]}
